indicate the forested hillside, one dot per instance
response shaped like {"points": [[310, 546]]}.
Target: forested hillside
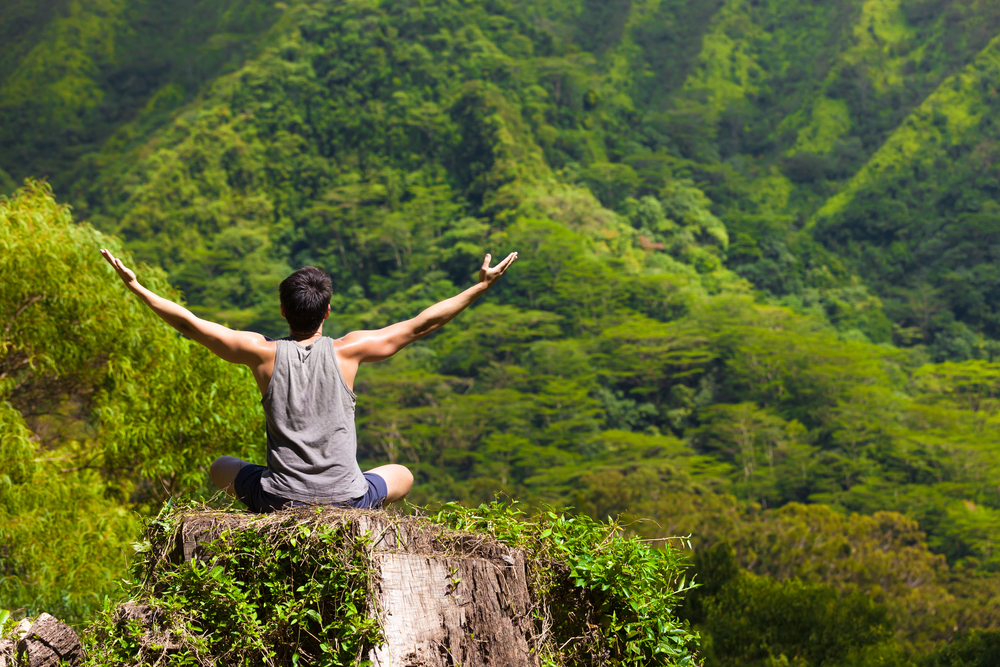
{"points": [[756, 300]]}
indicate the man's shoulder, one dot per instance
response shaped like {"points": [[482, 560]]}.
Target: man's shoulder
{"points": [[345, 340], [259, 343], [261, 339]]}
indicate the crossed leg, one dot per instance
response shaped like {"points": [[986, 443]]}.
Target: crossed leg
{"points": [[398, 479], [223, 472]]}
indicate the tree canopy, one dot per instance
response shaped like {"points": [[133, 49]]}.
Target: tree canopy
{"points": [[755, 303]]}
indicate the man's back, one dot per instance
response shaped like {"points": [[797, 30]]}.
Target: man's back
{"points": [[311, 440]]}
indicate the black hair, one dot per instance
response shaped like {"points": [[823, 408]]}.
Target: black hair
{"points": [[304, 297]]}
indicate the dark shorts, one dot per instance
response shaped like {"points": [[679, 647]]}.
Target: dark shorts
{"points": [[247, 486]]}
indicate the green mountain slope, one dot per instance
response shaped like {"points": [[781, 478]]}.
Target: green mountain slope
{"points": [[920, 218], [756, 265], [772, 107], [73, 72]]}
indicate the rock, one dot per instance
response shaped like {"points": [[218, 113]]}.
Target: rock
{"points": [[8, 647], [7, 653], [22, 628], [47, 642]]}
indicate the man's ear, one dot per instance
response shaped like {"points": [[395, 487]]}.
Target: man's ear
{"points": [[282, 308], [327, 312]]}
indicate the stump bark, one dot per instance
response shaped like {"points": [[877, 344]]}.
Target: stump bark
{"points": [[444, 598]]}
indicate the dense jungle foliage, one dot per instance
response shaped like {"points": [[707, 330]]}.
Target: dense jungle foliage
{"points": [[756, 300]]}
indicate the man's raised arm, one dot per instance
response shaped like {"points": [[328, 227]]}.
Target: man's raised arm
{"points": [[367, 346], [238, 347]]}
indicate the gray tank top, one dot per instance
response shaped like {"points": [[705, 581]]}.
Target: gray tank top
{"points": [[312, 447]]}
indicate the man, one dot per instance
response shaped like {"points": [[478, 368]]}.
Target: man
{"points": [[306, 382]]}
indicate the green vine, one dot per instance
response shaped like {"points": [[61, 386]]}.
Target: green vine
{"points": [[630, 590], [290, 595]]}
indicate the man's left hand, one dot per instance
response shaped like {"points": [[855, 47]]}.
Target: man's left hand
{"points": [[491, 275]]}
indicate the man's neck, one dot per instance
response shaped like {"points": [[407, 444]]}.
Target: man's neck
{"points": [[305, 338]]}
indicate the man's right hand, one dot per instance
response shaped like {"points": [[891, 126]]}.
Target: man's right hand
{"points": [[490, 276], [126, 274]]}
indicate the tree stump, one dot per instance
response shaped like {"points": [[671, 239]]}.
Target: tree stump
{"points": [[442, 601]]}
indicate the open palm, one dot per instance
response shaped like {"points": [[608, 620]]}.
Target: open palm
{"points": [[491, 275], [126, 274]]}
